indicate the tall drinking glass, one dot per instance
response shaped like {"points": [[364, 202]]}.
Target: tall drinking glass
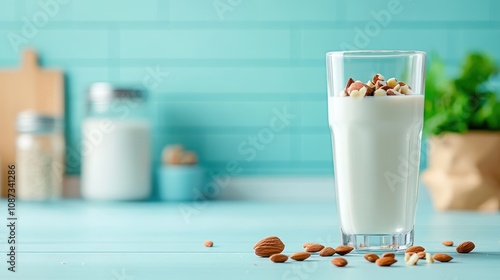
{"points": [[376, 123]]}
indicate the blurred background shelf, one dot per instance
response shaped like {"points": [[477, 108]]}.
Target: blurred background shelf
{"points": [[255, 57]]}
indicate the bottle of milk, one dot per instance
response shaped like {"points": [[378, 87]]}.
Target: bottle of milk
{"points": [[116, 144]]}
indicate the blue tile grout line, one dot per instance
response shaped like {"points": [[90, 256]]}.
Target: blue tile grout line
{"points": [[268, 25]]}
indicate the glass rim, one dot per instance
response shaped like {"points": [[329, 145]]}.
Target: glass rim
{"points": [[374, 53]]}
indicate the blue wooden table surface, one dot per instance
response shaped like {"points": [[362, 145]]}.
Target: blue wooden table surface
{"points": [[122, 241]]}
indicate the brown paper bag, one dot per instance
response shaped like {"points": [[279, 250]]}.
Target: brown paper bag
{"points": [[464, 171]]}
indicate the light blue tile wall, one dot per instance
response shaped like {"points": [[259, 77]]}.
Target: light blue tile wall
{"points": [[229, 71]]}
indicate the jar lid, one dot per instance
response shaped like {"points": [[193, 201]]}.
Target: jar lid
{"points": [[35, 122], [105, 92]]}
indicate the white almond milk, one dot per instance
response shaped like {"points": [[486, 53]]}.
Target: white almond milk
{"points": [[116, 165], [376, 143]]}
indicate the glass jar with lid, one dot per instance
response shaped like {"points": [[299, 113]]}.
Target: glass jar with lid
{"points": [[40, 152], [116, 144]]}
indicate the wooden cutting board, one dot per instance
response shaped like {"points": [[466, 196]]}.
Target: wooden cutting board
{"points": [[29, 87]]}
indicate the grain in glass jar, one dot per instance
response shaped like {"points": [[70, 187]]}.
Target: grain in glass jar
{"points": [[40, 152]]}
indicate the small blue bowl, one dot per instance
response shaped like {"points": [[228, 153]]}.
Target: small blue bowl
{"points": [[180, 182]]}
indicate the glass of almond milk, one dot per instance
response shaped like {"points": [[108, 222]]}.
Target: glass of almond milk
{"points": [[375, 112]]}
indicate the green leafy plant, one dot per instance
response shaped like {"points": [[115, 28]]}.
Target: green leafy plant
{"points": [[464, 103]]}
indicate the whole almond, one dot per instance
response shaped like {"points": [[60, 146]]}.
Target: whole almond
{"points": [[415, 249], [448, 243], [278, 258], [306, 244], [269, 246], [327, 251], [421, 255], [371, 257], [389, 255], [385, 261], [343, 250], [314, 247], [208, 243], [340, 262], [300, 256], [466, 247], [442, 257]]}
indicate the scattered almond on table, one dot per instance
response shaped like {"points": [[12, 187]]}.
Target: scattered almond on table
{"points": [[208, 243], [442, 257], [340, 262], [272, 247], [314, 247], [448, 243], [466, 247], [306, 244], [387, 261], [278, 258], [390, 255], [269, 246], [343, 250], [415, 249], [371, 257], [327, 252], [300, 256]]}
